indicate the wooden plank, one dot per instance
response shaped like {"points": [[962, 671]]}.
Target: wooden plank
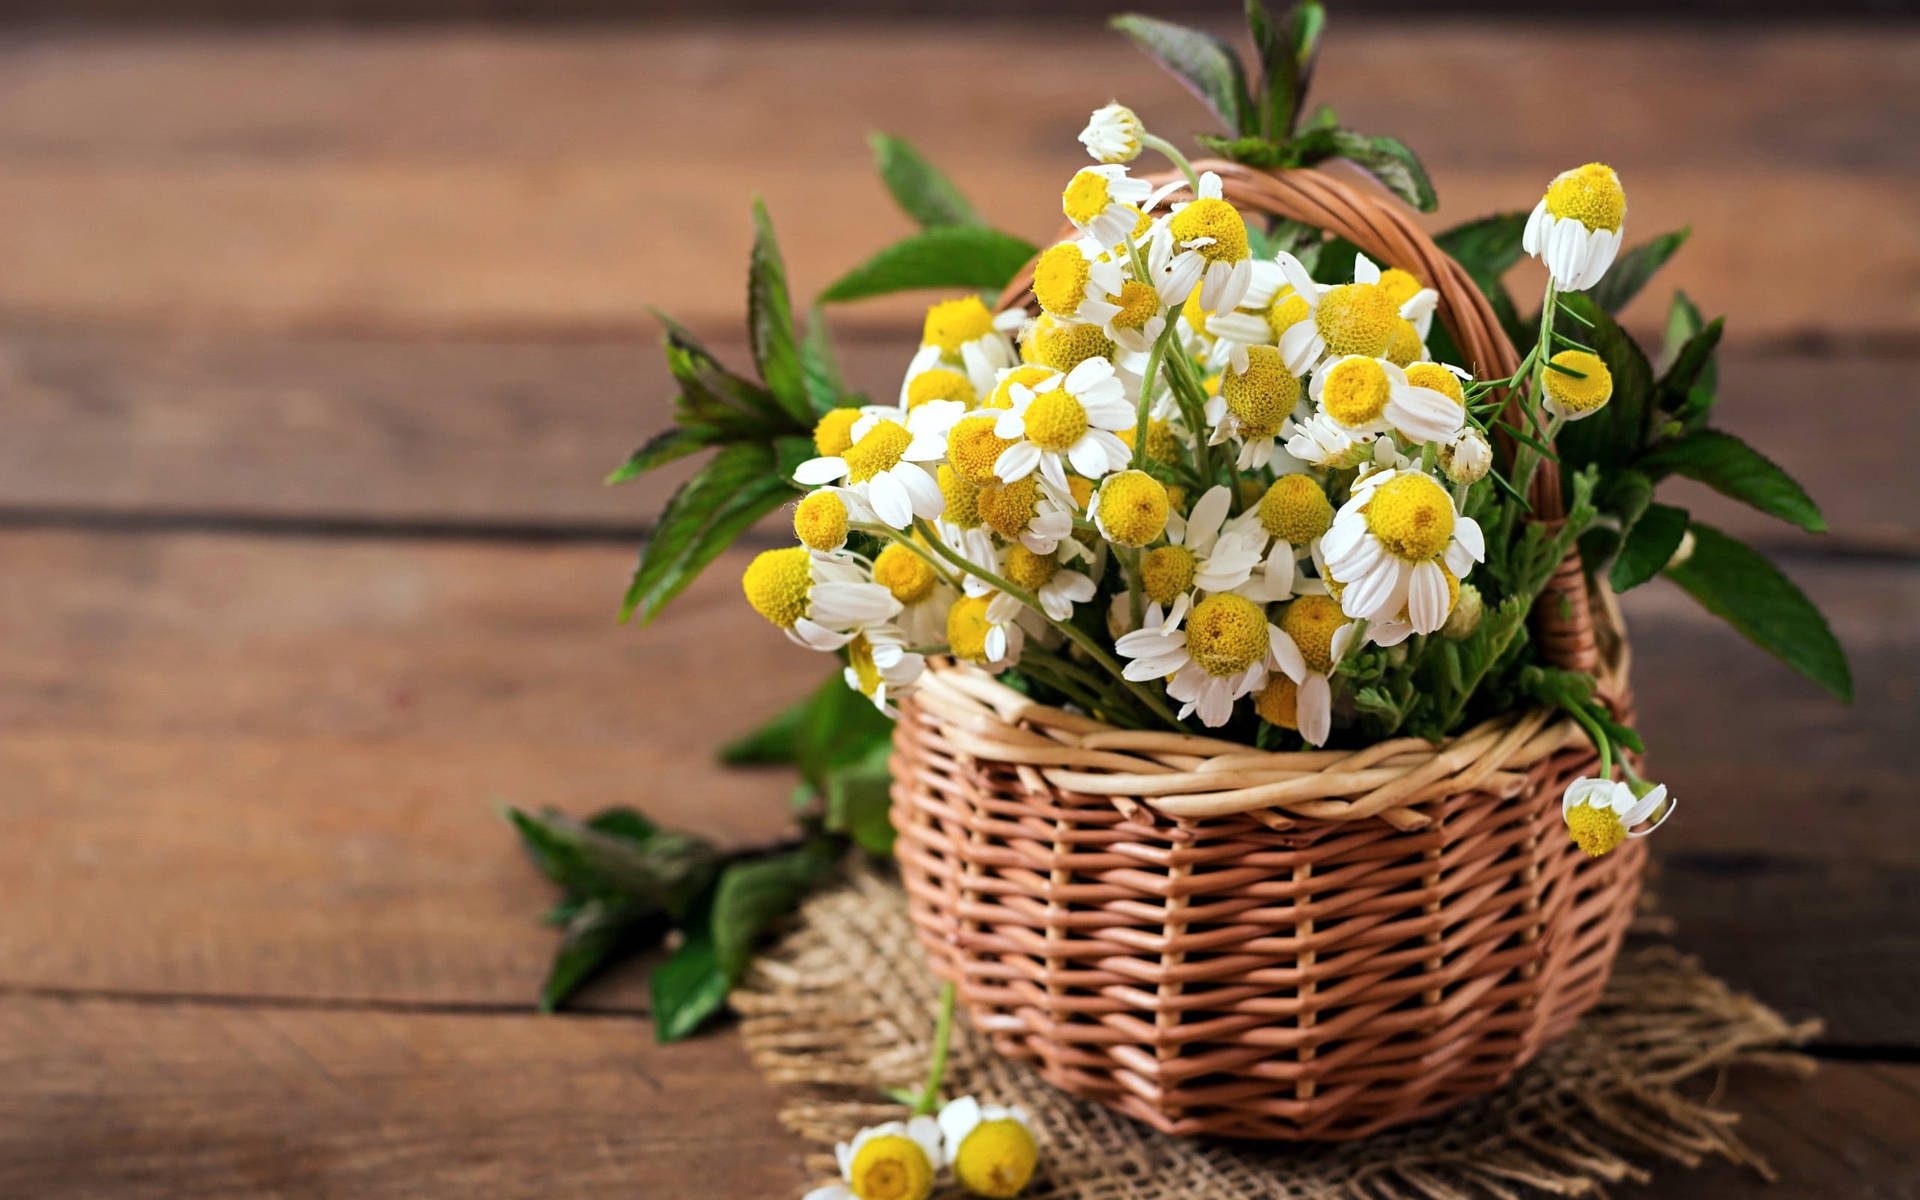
{"points": [[107, 1098], [311, 730], [521, 431], [485, 180], [133, 1101]]}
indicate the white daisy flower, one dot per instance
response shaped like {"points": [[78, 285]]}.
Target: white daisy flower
{"points": [[821, 602], [964, 334], [1065, 420], [1317, 636], [1600, 814], [1223, 653], [1358, 318], [880, 667], [923, 595], [898, 1159], [1323, 442], [1030, 511], [1056, 587], [883, 465], [1113, 134], [1105, 203], [1076, 282], [1203, 244], [1577, 227], [991, 1148], [1394, 544], [1371, 395], [986, 630], [1255, 404]]}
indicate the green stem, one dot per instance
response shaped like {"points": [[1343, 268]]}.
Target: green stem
{"points": [[1173, 155], [1527, 460], [1074, 633], [1155, 358], [937, 1069], [1601, 741], [889, 531]]}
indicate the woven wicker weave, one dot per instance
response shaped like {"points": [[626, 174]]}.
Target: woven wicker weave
{"points": [[1218, 940]]}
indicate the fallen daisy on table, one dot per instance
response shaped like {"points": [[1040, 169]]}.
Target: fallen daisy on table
{"points": [[895, 1161]]}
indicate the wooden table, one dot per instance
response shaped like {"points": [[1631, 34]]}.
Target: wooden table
{"points": [[313, 347]]}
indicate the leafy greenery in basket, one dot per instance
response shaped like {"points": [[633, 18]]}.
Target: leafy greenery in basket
{"points": [[1231, 479]]}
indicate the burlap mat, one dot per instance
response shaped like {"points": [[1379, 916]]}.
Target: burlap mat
{"points": [[844, 1006]]}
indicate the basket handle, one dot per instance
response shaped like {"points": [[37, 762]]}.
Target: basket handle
{"points": [[1386, 232]]}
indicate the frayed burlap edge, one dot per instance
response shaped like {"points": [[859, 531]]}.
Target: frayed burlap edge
{"points": [[842, 1008]]}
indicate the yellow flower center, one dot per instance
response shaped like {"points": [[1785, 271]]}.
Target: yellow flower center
{"points": [[1138, 302], [1214, 219], [939, 384], [1028, 377], [908, 576], [1579, 395], [1226, 634], [777, 582], [1278, 703], [878, 450], [820, 521], [1166, 572], [1263, 395], [1357, 318], [833, 433], [973, 448], [1285, 312], [1133, 508], [1064, 347], [1405, 348], [997, 1159], [1412, 516], [1355, 392], [1311, 621], [1400, 286], [1295, 510], [1086, 197], [962, 495], [1081, 489], [1439, 379], [1163, 445], [1027, 570], [1596, 830], [951, 324], [1060, 279], [1591, 195], [891, 1168], [1008, 508], [1055, 420], [967, 628], [860, 658]]}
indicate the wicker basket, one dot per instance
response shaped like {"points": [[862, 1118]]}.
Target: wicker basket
{"points": [[1217, 940]]}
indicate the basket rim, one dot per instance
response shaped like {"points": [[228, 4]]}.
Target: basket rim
{"points": [[1187, 776]]}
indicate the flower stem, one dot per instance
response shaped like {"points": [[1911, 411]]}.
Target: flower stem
{"points": [[937, 1069], [1073, 632], [1174, 156], [1526, 458], [1155, 359]]}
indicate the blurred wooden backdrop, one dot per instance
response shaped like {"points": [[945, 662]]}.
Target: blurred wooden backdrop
{"points": [[314, 342]]}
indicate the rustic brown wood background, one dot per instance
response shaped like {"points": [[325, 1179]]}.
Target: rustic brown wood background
{"points": [[313, 346]]}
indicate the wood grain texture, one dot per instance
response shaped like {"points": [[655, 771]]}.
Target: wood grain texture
{"points": [[109, 1100], [467, 180], [521, 431]]}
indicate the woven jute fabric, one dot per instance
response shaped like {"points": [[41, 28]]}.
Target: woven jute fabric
{"points": [[842, 1007]]}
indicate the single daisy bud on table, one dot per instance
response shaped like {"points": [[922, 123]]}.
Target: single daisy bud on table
{"points": [[1576, 228], [991, 1149], [1600, 814], [894, 1161]]}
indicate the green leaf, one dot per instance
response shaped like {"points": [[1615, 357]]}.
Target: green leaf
{"points": [[1279, 74], [1683, 321], [1736, 583], [1687, 388], [773, 743], [858, 800], [842, 726], [667, 871], [1488, 247], [1387, 159], [664, 447], [770, 320], [1612, 437], [709, 393], [622, 822], [1731, 467], [950, 256], [921, 191], [1630, 272], [1648, 546], [688, 988], [733, 490], [1204, 63], [753, 891], [598, 934], [1301, 29], [819, 366], [1254, 151]]}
